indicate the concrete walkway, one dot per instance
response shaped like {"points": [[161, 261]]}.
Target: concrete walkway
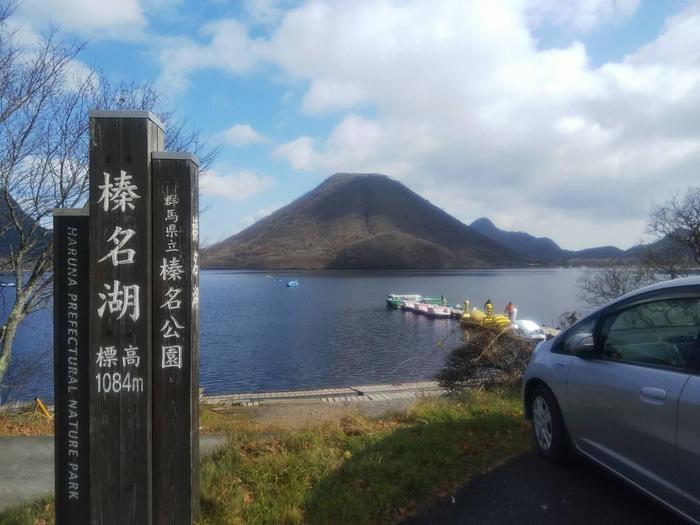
{"points": [[26, 466]]}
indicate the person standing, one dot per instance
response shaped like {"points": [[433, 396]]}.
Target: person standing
{"points": [[511, 311]]}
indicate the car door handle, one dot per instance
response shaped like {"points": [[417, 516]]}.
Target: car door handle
{"points": [[650, 394]]}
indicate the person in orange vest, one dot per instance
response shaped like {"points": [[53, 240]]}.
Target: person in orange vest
{"points": [[510, 311]]}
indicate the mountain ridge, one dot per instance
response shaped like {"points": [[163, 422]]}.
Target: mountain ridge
{"points": [[544, 249], [367, 221]]}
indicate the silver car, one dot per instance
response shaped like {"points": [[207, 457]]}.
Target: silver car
{"points": [[622, 388]]}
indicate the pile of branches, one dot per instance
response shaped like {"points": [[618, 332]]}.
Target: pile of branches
{"points": [[486, 358]]}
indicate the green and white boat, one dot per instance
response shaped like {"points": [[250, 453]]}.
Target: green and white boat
{"points": [[394, 300]]}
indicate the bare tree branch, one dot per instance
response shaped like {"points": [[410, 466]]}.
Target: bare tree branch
{"points": [[44, 156]]}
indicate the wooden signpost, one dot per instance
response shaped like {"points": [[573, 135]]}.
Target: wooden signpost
{"points": [[126, 333], [175, 339], [71, 366], [121, 145]]}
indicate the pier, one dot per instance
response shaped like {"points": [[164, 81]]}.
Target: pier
{"points": [[349, 394]]}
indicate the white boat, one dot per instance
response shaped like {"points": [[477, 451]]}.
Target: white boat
{"points": [[441, 312], [411, 306], [422, 308]]}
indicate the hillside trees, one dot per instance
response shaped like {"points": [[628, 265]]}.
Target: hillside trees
{"points": [[44, 109], [675, 224]]}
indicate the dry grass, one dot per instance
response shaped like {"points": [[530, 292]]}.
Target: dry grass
{"points": [[25, 421]]}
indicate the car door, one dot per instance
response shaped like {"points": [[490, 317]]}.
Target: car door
{"points": [[689, 441], [623, 401]]}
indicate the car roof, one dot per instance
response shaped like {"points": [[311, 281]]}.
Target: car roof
{"points": [[672, 283]]}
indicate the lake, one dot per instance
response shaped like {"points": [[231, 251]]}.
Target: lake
{"points": [[334, 330]]}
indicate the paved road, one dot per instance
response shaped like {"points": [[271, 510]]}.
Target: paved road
{"points": [[26, 466], [530, 490]]}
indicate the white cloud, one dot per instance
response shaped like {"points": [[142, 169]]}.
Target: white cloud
{"points": [[264, 12], [95, 18], [228, 47], [249, 220], [456, 99], [236, 186], [78, 73], [328, 94], [242, 135], [300, 153], [580, 15]]}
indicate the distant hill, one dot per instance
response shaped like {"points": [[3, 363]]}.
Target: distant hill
{"points": [[535, 248], [545, 250], [359, 221]]}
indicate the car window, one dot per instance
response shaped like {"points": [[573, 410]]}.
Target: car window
{"points": [[661, 333], [584, 327]]}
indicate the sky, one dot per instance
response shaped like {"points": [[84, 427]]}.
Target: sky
{"points": [[563, 118]]}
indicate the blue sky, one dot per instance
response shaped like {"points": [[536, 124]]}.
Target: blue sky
{"points": [[560, 118]]}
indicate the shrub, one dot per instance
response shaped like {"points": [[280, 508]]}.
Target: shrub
{"points": [[486, 357]]}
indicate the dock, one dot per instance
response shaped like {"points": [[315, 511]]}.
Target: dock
{"points": [[349, 394]]}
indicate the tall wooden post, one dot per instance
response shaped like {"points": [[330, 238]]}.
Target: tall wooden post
{"points": [[71, 366], [121, 144], [175, 339]]}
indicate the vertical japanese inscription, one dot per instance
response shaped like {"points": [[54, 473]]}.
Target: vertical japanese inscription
{"points": [[121, 144], [71, 367], [175, 339]]}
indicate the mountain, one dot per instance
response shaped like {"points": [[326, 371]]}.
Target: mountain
{"points": [[545, 250], [363, 221], [535, 248]]}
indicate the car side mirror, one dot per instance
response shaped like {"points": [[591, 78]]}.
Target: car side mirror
{"points": [[582, 345]]}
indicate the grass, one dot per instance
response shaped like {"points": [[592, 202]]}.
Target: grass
{"points": [[349, 471], [26, 422], [38, 512]]}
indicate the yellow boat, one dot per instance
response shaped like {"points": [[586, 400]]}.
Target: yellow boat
{"points": [[476, 317]]}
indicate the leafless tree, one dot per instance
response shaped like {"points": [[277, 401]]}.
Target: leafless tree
{"points": [[22, 371], [676, 226], [600, 285], [678, 221], [44, 157]]}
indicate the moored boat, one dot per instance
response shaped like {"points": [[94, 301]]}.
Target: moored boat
{"points": [[394, 300], [422, 308], [438, 311], [476, 317], [410, 306]]}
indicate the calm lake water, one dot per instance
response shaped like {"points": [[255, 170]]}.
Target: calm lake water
{"points": [[334, 330]]}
